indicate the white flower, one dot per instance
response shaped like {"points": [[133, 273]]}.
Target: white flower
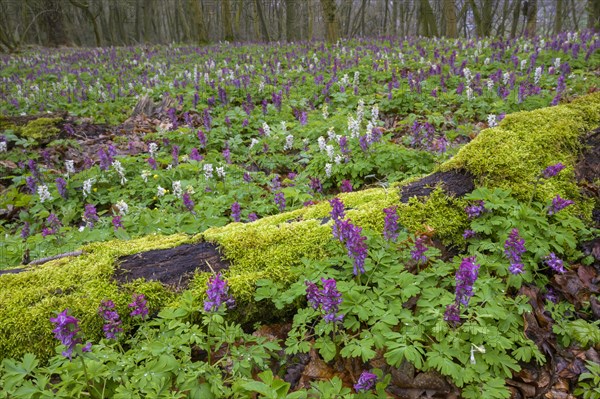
{"points": [[492, 120], [338, 159], [538, 75], [189, 189], [160, 191], [557, 63], [145, 174], [3, 147], [44, 193], [330, 151], [87, 187], [490, 84], [505, 77], [322, 143], [486, 61], [353, 126], [331, 134], [283, 126], [469, 93], [81, 228], [523, 64], [325, 111], [266, 129], [122, 207], [468, 75], [356, 78], [328, 167], [152, 148], [261, 86], [221, 171], [289, 142], [375, 113], [208, 171], [177, 191], [119, 168], [253, 142], [69, 165], [360, 110]]}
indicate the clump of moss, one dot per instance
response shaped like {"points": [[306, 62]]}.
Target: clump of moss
{"points": [[41, 129]]}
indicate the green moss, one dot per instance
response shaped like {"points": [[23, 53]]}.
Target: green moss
{"points": [[29, 299], [41, 129]]}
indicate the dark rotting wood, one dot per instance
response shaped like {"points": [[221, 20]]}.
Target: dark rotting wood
{"points": [[455, 183]]}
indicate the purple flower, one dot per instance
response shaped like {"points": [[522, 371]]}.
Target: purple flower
{"points": [[202, 138], [175, 155], [475, 210], [217, 293], [452, 314], [366, 382], [61, 186], [468, 234], [554, 263], [25, 231], [53, 224], [418, 253], [152, 163], [252, 217], [465, 278], [337, 209], [227, 155], [66, 331], [315, 185], [90, 215], [390, 228], [195, 155], [344, 145], [247, 177], [235, 211], [31, 184], [139, 306], [346, 186], [117, 223], [280, 201], [558, 204], [188, 202], [328, 298], [356, 245], [552, 170], [105, 159], [112, 325], [34, 170], [514, 247]]}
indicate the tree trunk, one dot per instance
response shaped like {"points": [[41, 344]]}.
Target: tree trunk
{"points": [[515, 21], [502, 25], [198, 22], [394, 17], [593, 8], [427, 19], [332, 30], [450, 14], [291, 31], [227, 27], [263, 24], [531, 26], [53, 21]]}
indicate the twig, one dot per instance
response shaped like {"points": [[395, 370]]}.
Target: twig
{"points": [[59, 256]]}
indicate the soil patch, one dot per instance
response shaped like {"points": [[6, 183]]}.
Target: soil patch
{"points": [[457, 183], [173, 267]]}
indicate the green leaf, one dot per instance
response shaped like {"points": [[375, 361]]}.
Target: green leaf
{"points": [[326, 348]]}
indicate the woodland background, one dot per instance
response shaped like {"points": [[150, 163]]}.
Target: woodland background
{"points": [[135, 22]]}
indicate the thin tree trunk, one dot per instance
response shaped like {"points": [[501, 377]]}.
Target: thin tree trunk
{"points": [[331, 24], [227, 27], [427, 19], [450, 14], [394, 17], [531, 26], [515, 21], [263, 24], [291, 31], [593, 8], [198, 22], [54, 23]]}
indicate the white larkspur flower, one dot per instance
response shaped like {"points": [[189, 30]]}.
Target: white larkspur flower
{"points": [[325, 111], [266, 129], [3, 146], [122, 207], [87, 187], [353, 127], [253, 142], [523, 64], [152, 148], [360, 110], [331, 133], [208, 171], [469, 94], [322, 143], [70, 166], [221, 171], [176, 186], [289, 142], [490, 84], [145, 174], [160, 191], [538, 75], [283, 125], [506, 77], [338, 159], [190, 189], [375, 113], [119, 169], [44, 193], [468, 75], [328, 168], [329, 150], [557, 63], [492, 120]]}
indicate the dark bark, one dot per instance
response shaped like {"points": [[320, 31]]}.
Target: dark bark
{"points": [[331, 24], [53, 22], [593, 9], [263, 24], [531, 15], [450, 18], [291, 31], [515, 21]]}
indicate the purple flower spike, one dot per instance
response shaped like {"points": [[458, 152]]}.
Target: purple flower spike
{"points": [[112, 325], [346, 186], [465, 278], [390, 229], [235, 211], [117, 223], [475, 210], [418, 253], [452, 314], [280, 201], [188, 202], [365, 382], [328, 299], [554, 263], [25, 230], [90, 215], [337, 209], [139, 306], [66, 331], [468, 234], [61, 186], [356, 245], [514, 247], [218, 295], [552, 170], [558, 204]]}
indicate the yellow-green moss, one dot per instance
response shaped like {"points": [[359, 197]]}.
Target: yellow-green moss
{"points": [[40, 129], [29, 299]]}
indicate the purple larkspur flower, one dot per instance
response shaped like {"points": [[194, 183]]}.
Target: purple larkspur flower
{"points": [[67, 332], [227, 154], [202, 138], [366, 382], [188, 202], [315, 185], [235, 211], [195, 155], [552, 170], [418, 253], [465, 278], [558, 204], [343, 142], [328, 299], [390, 228], [337, 209], [25, 231], [117, 223], [452, 314], [252, 217], [554, 263], [32, 165], [152, 163], [112, 321], [346, 186], [105, 159], [53, 224], [175, 155], [90, 215], [31, 184], [514, 247], [61, 186], [468, 233], [218, 294], [356, 246], [247, 177], [139, 306], [280, 201], [475, 210]]}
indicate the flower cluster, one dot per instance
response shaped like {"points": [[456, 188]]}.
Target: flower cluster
{"points": [[475, 210], [218, 294], [61, 187], [554, 263], [112, 321], [139, 306], [366, 382], [558, 204], [390, 228], [90, 215], [328, 299], [280, 201], [418, 253], [188, 202], [53, 224], [235, 211], [514, 247], [349, 235], [346, 186], [552, 170], [67, 332], [465, 279]]}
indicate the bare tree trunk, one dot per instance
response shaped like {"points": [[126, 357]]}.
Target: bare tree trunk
{"points": [[450, 14], [310, 28], [427, 19], [53, 21], [502, 25], [198, 22], [85, 7], [531, 26], [291, 31], [385, 16], [263, 24], [348, 19], [394, 17], [227, 27], [331, 24], [593, 8], [515, 21]]}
